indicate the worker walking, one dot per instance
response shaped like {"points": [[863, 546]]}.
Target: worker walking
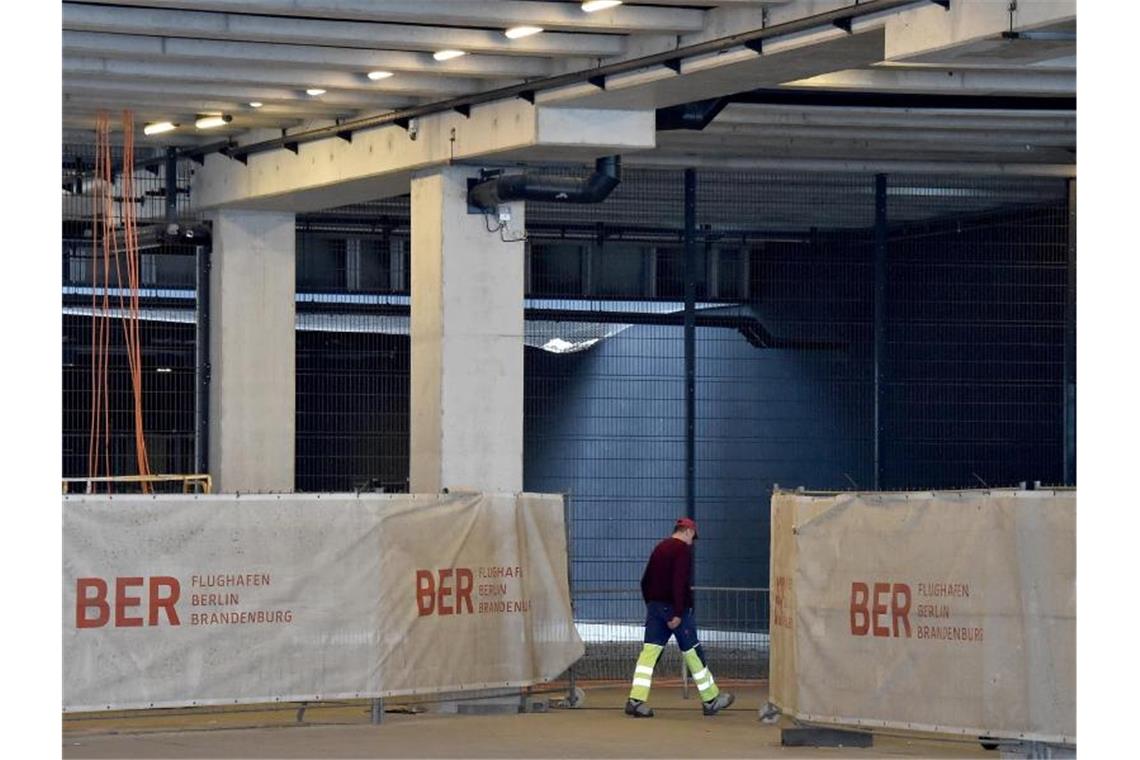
{"points": [[668, 595]]}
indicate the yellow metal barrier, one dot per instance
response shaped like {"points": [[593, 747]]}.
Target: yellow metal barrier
{"points": [[202, 483]]}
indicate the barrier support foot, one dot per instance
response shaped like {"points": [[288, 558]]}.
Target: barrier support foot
{"points": [[824, 737]]}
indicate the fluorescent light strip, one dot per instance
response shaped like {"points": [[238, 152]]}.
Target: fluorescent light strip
{"points": [[447, 55], [159, 127], [518, 32], [378, 75], [212, 120], [315, 91], [590, 6]]}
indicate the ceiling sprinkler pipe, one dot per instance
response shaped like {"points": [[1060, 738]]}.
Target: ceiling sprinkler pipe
{"points": [[537, 187]]}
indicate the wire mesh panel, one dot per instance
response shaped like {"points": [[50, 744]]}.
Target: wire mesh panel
{"points": [[961, 362], [786, 366], [605, 423], [787, 397], [353, 372], [976, 299], [96, 296]]}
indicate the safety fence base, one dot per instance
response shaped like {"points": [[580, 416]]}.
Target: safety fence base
{"points": [[824, 737]]}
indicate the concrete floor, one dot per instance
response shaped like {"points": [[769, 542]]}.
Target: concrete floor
{"points": [[597, 729]]}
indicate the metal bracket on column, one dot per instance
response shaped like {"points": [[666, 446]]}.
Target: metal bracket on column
{"points": [[598, 81], [228, 152], [674, 64], [756, 46], [843, 23], [463, 110], [944, 3]]}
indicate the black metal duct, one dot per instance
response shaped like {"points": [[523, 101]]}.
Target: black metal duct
{"points": [[537, 187]]}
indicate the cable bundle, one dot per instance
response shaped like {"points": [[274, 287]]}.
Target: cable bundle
{"points": [[107, 249]]}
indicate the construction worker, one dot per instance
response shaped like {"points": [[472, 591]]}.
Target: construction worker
{"points": [[665, 586]]}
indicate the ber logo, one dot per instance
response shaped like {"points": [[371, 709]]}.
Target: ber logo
{"points": [[879, 608], [128, 606], [434, 591]]}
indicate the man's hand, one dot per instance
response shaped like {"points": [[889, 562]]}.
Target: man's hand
{"points": [[676, 621]]}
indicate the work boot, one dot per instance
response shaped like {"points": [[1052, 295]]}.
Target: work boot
{"points": [[717, 703], [638, 709]]}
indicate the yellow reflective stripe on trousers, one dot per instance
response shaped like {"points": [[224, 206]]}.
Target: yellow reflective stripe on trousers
{"points": [[643, 672], [702, 677]]}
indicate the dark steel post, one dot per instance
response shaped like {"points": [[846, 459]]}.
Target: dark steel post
{"points": [[567, 516], [171, 177], [880, 317], [690, 273], [1069, 384], [202, 362]]}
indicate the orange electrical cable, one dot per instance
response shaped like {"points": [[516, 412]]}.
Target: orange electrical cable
{"points": [[132, 253], [106, 192], [93, 436], [105, 243]]}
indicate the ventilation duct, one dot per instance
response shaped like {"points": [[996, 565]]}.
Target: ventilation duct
{"points": [[488, 195]]}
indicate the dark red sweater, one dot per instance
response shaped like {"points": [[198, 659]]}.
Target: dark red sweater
{"points": [[666, 577]]}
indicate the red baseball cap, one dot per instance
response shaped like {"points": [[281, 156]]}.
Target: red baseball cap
{"points": [[685, 522]]}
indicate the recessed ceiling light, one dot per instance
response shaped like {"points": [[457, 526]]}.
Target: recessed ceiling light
{"points": [[447, 55], [255, 104], [376, 75], [515, 32], [599, 5], [315, 91], [158, 127], [209, 121]]}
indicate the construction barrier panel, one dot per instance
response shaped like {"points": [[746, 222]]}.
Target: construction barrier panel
{"points": [[196, 600], [951, 612]]}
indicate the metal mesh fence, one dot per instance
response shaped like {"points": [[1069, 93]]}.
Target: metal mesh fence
{"points": [[975, 333], [955, 377], [167, 333]]}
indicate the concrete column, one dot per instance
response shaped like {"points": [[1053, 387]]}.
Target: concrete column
{"points": [[252, 351], [467, 351]]}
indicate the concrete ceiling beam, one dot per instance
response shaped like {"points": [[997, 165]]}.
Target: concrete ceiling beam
{"points": [[971, 82], [973, 30], [272, 76], [859, 165], [379, 162], [864, 149], [241, 92], [184, 118], [103, 98], [308, 31], [177, 49], [749, 132], [895, 117], [624, 19], [733, 70]]}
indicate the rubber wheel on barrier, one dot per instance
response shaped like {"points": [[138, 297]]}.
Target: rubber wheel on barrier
{"points": [[987, 742]]}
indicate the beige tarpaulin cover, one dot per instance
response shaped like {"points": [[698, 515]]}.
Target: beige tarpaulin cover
{"points": [[951, 612], [180, 600]]}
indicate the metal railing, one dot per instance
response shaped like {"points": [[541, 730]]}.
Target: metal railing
{"points": [[195, 483]]}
